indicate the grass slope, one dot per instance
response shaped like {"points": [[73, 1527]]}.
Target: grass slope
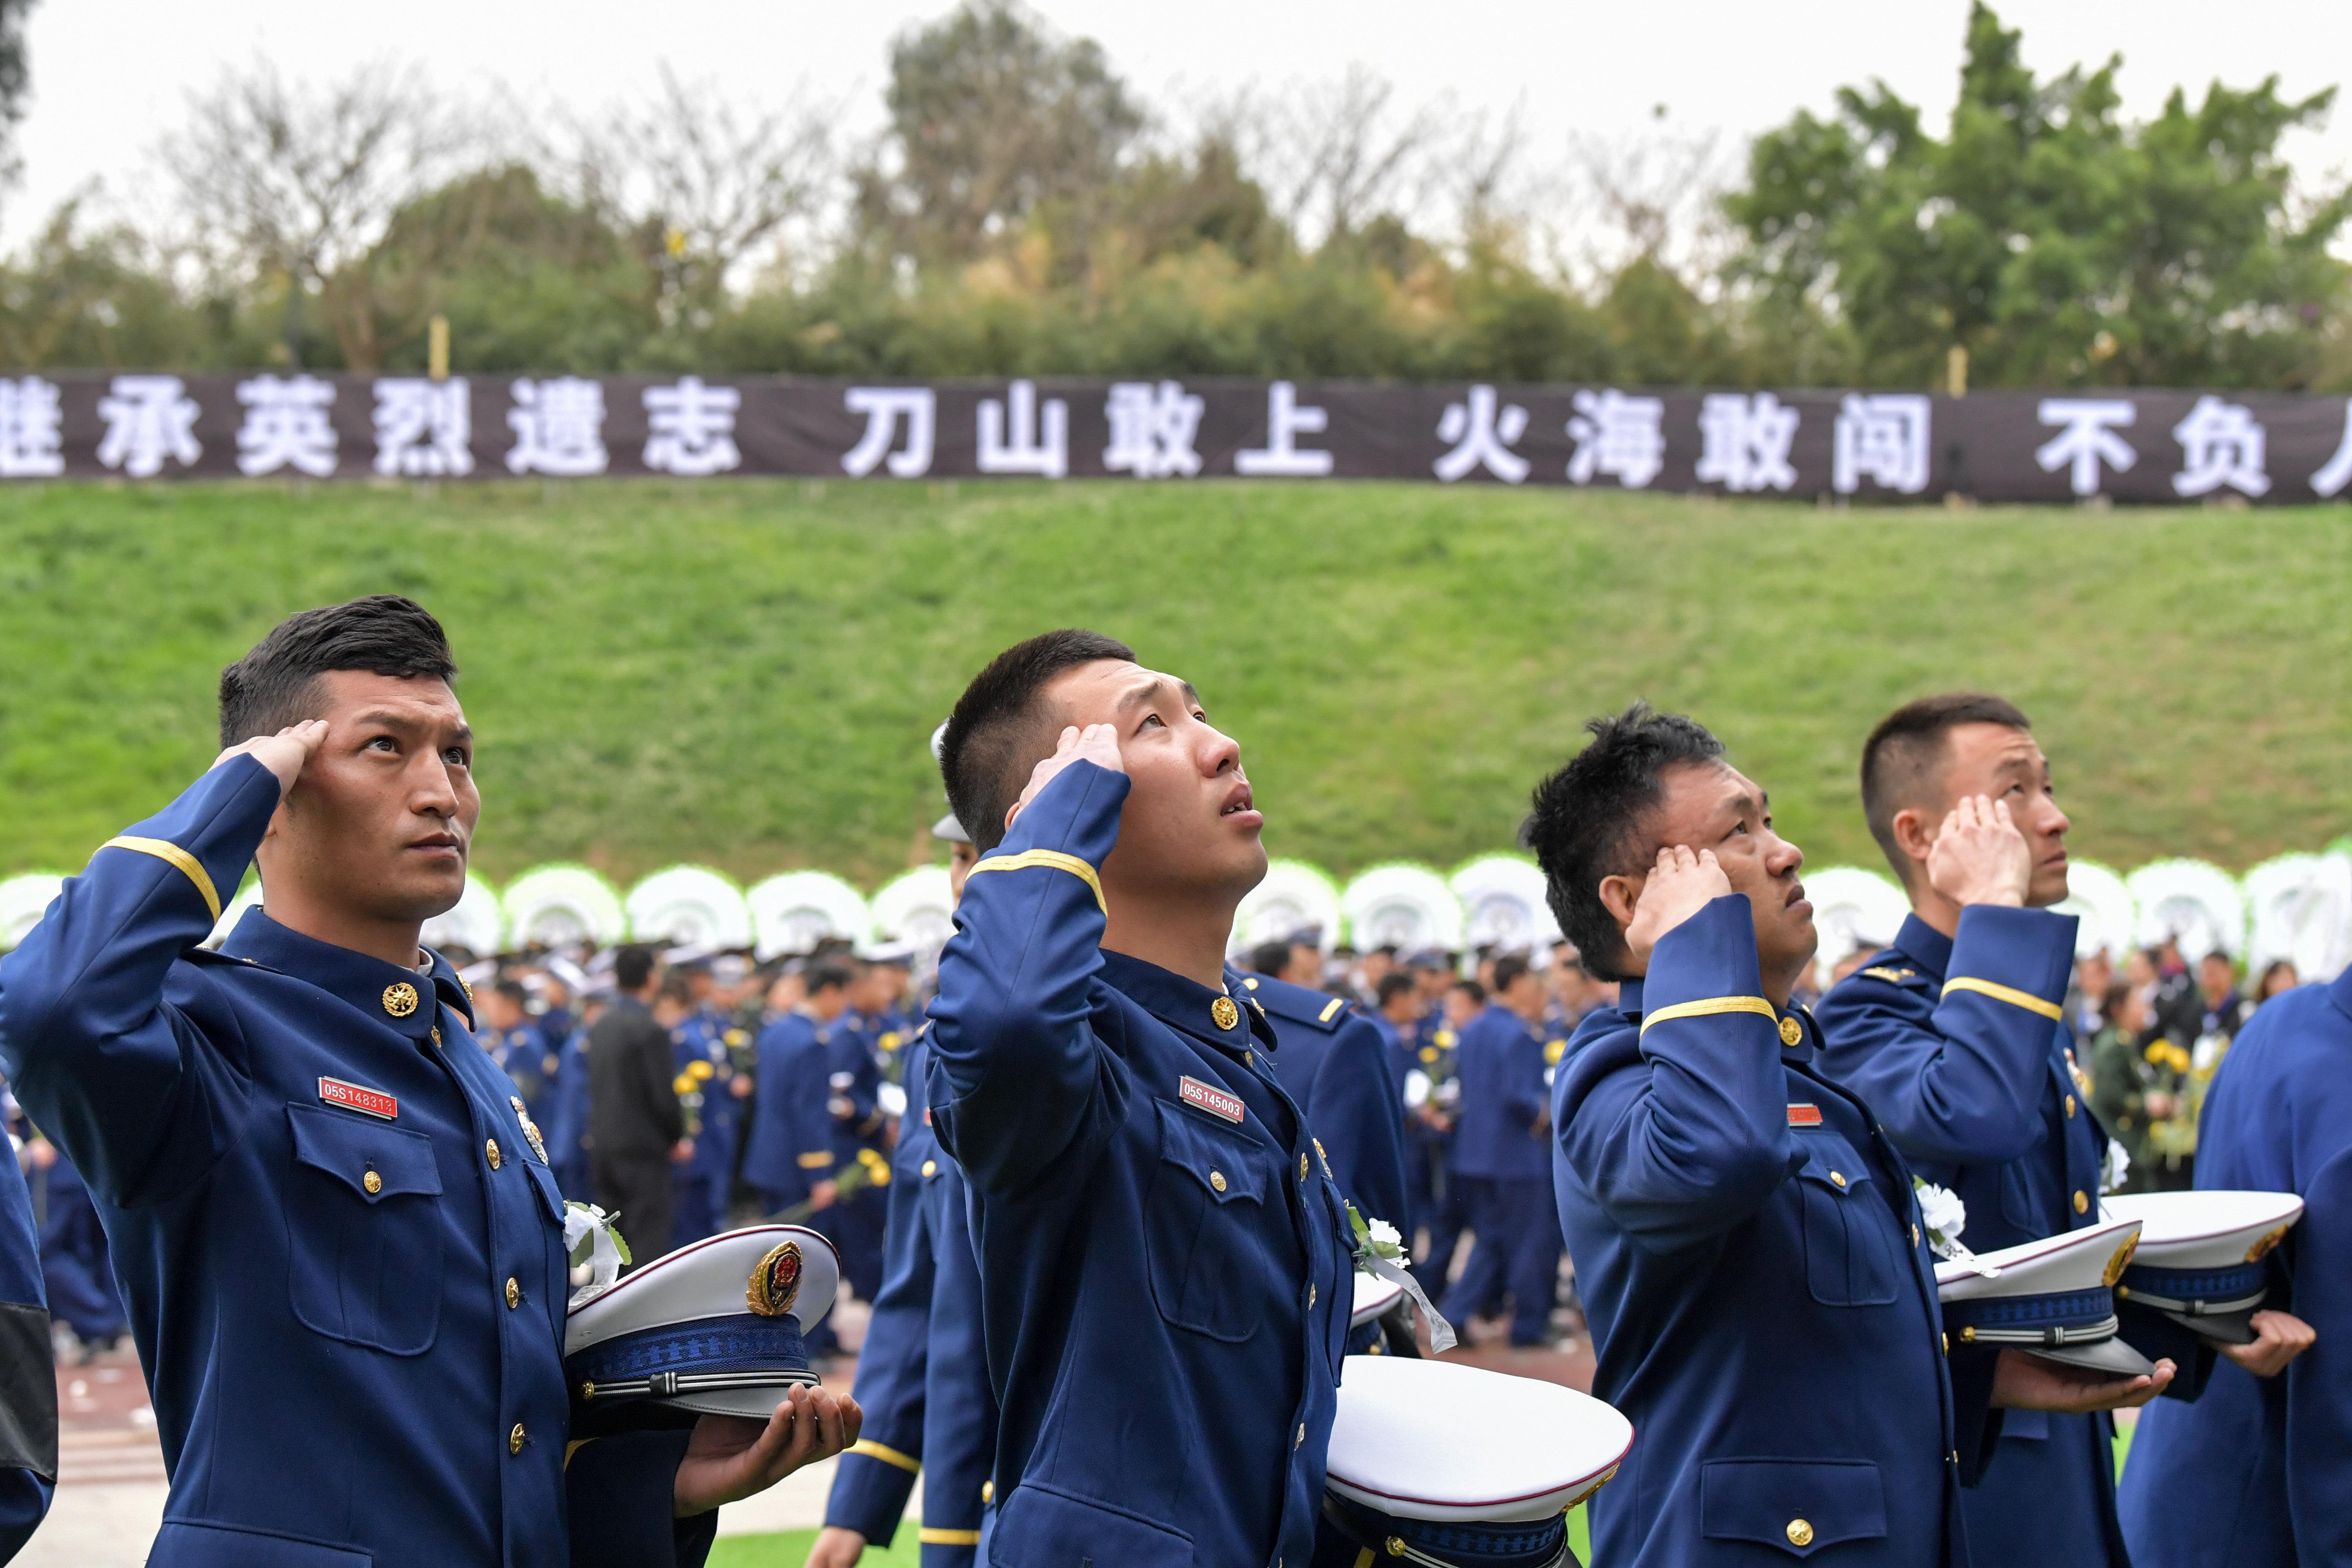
{"points": [[745, 672]]}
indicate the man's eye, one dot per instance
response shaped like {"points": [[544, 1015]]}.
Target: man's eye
{"points": [[1149, 719], [456, 758], [386, 742]]}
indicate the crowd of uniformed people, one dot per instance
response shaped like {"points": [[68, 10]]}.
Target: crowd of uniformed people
{"points": [[1102, 1190]]}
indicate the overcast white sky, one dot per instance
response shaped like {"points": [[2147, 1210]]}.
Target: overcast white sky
{"points": [[108, 76]]}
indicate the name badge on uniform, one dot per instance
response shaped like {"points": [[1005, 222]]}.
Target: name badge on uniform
{"points": [[353, 1096], [1211, 1098], [1805, 1116]]}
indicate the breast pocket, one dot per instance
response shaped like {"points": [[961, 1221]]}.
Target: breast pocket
{"points": [[363, 1231], [1849, 1233], [1205, 1215]]}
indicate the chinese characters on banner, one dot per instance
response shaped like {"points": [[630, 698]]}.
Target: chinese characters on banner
{"points": [[2155, 447]]}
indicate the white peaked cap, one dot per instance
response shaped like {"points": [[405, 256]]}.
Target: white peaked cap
{"points": [[1374, 1298], [2206, 1230], [2053, 1297], [739, 1274], [1438, 1440]]}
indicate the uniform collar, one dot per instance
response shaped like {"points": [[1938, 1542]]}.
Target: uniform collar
{"points": [[1809, 1038], [391, 993], [1228, 1017], [1926, 946]]}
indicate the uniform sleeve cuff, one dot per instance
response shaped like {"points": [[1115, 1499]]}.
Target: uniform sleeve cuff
{"points": [[1708, 963], [2024, 957]]}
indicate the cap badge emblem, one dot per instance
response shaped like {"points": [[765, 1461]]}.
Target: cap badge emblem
{"points": [[400, 998], [1223, 1014], [2120, 1262], [776, 1281], [2263, 1248]]}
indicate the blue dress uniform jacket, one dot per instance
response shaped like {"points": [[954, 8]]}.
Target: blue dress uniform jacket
{"points": [[1335, 1063], [1502, 1065], [707, 1071], [790, 1145], [2254, 1474], [922, 1373], [1762, 1303], [1164, 1263], [342, 1258], [28, 1387], [1957, 1044]]}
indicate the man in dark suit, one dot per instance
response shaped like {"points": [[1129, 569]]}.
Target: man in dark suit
{"points": [[636, 1127]]}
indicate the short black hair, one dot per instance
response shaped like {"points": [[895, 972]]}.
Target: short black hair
{"points": [[1508, 969], [1900, 759], [1588, 819], [827, 974], [514, 991], [1270, 957], [1472, 989], [1391, 984], [632, 967], [385, 634], [677, 986], [999, 732]]}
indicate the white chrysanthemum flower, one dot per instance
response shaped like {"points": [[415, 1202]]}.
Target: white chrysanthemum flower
{"points": [[2118, 1170], [1941, 1211], [1384, 1232]]}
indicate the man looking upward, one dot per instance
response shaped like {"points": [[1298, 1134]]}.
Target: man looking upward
{"points": [[1165, 1262], [342, 1248], [1954, 1036], [1762, 1300]]}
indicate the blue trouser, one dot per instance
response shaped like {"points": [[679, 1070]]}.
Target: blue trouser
{"points": [[1517, 1249], [855, 1227], [2046, 1492], [74, 1265]]}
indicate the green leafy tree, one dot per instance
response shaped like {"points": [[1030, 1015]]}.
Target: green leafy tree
{"points": [[2053, 241]]}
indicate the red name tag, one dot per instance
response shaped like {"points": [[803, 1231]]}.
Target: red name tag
{"points": [[352, 1097], [1213, 1101], [1805, 1116]]}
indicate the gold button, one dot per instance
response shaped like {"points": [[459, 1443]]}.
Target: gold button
{"points": [[1914, 1234], [1792, 1031], [400, 998], [1969, 1334], [1249, 1058], [1837, 1178], [436, 1034], [2070, 1105], [930, 1167], [514, 1294], [1217, 1179], [1223, 1012], [372, 1183], [491, 1149], [1800, 1533], [987, 1490], [1310, 1294], [1302, 1164], [1395, 1543], [1947, 1344], [2081, 1202], [514, 1439]]}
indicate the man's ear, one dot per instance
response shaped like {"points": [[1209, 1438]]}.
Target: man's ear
{"points": [[1914, 832], [1619, 895]]}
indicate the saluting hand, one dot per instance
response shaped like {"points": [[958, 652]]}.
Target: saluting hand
{"points": [[1681, 885], [1980, 857], [1096, 743], [731, 1457], [285, 753], [2279, 1338]]}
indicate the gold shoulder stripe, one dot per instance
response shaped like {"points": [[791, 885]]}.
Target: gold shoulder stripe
{"points": [[1892, 976], [873, 1450], [1336, 1003], [2015, 998], [1709, 1008], [189, 865], [931, 1536], [816, 1161], [1049, 860]]}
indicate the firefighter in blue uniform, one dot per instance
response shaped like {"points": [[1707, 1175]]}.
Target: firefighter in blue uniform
{"points": [[1502, 1158], [1760, 1289], [2254, 1474], [1954, 1037], [567, 1119], [1170, 1400], [1431, 1193], [789, 1157], [342, 1252], [74, 1263], [860, 1140], [706, 1070], [518, 1043], [29, 1387]]}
